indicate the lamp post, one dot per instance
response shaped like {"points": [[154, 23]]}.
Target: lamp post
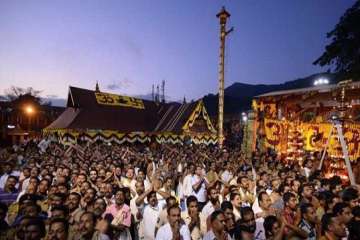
{"points": [[223, 15], [29, 110]]}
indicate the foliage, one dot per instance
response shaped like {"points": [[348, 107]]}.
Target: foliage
{"points": [[342, 55]]}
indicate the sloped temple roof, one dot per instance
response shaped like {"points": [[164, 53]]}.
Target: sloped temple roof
{"points": [[94, 110]]}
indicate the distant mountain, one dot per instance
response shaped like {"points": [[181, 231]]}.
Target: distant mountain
{"points": [[238, 96]]}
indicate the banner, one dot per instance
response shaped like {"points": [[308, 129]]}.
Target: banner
{"points": [[314, 136], [117, 100]]}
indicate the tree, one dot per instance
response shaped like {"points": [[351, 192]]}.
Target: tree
{"points": [[343, 53], [14, 93]]}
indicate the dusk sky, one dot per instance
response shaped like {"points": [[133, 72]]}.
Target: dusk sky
{"points": [[128, 45]]}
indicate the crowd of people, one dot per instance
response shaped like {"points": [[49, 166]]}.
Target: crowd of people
{"points": [[100, 191]]}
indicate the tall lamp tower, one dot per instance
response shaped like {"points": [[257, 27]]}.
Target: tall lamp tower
{"points": [[223, 15]]}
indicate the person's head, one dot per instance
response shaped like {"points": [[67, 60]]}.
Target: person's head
{"points": [[34, 181], [58, 229], [56, 199], [174, 215], [264, 200], [43, 186], [230, 222], [306, 191], [247, 222], [198, 170], [89, 196], [342, 211], [308, 213], [63, 188], [60, 212], [227, 208], [213, 195], [308, 163], [152, 199], [332, 226], [354, 225], [35, 229], [99, 207], [80, 179], [218, 221], [192, 205], [93, 175], [271, 226], [130, 173], [10, 184], [325, 184], [171, 201], [335, 185], [84, 187], [32, 210], [120, 197], [7, 167], [244, 182], [109, 190], [73, 201], [351, 196], [34, 172], [235, 200], [290, 200], [87, 225], [295, 185], [139, 187], [168, 182]]}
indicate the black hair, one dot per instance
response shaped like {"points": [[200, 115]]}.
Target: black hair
{"points": [[172, 207], [350, 194], [60, 220], [14, 177], [61, 208], [268, 225], [169, 199], [215, 214], [287, 196], [149, 195], [304, 208], [233, 195], [245, 211], [326, 221], [39, 223], [191, 199], [91, 214], [261, 194], [226, 205], [339, 208], [75, 194]]}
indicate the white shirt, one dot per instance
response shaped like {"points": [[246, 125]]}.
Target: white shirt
{"points": [[211, 236], [201, 193], [150, 218], [226, 176], [165, 233], [260, 230], [187, 187], [208, 209]]}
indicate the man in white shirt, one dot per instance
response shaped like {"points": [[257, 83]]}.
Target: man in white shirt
{"points": [[137, 205], [261, 212], [187, 186], [213, 203], [199, 184], [8, 171], [217, 231], [175, 229], [150, 216]]}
